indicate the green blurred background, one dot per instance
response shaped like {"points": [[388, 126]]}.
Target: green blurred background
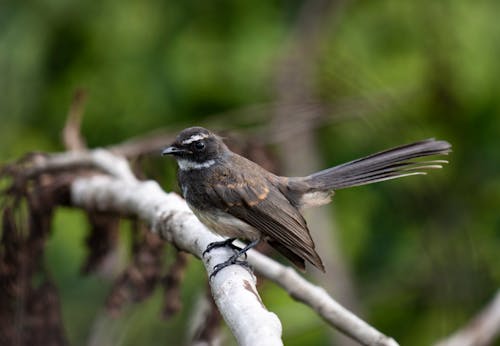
{"points": [[424, 253]]}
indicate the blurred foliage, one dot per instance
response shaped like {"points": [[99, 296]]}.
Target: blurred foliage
{"points": [[424, 252]]}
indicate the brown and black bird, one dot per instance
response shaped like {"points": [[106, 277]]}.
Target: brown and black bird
{"points": [[238, 199]]}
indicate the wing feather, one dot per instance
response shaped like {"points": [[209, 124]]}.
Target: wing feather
{"points": [[269, 211]]}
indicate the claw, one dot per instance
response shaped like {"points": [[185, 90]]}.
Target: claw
{"points": [[232, 260], [216, 244]]}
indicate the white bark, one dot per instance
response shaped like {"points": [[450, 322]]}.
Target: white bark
{"points": [[233, 288], [99, 159], [481, 330], [319, 300]]}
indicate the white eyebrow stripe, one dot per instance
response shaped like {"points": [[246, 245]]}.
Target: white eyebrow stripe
{"points": [[194, 138]]}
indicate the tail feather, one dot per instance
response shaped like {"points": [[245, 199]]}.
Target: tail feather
{"points": [[389, 164]]}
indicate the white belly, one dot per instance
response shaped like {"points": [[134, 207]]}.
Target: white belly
{"points": [[227, 225]]}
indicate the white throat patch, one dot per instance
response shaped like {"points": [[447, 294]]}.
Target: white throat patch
{"points": [[187, 165], [194, 138]]}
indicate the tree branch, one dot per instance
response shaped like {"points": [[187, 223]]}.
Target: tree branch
{"points": [[71, 135], [481, 330], [233, 288], [319, 300]]}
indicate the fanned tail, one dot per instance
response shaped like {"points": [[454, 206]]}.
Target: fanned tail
{"points": [[389, 164]]}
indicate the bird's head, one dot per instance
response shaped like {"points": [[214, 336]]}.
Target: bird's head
{"points": [[196, 148]]}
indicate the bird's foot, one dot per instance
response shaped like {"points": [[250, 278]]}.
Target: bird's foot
{"points": [[224, 243], [232, 260]]}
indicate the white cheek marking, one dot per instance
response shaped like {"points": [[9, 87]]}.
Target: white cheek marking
{"points": [[186, 165], [194, 138]]}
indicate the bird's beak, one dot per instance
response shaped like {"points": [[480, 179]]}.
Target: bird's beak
{"points": [[172, 150]]}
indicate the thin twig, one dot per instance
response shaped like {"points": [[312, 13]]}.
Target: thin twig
{"points": [[482, 330], [71, 134], [319, 300]]}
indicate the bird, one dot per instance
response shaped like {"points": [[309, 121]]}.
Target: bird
{"points": [[238, 199]]}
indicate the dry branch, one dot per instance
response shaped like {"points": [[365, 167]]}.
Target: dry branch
{"points": [[206, 323], [71, 135], [167, 214], [172, 285]]}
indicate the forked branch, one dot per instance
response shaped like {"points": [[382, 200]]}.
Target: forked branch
{"points": [[234, 290]]}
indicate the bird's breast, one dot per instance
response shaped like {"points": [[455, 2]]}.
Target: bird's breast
{"points": [[225, 224]]}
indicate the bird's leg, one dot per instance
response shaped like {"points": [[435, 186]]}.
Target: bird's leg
{"points": [[227, 242], [234, 259]]}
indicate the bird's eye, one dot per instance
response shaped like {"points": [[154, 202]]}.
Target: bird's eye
{"points": [[199, 145]]}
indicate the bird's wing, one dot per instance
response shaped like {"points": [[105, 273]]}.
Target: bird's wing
{"points": [[265, 208]]}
